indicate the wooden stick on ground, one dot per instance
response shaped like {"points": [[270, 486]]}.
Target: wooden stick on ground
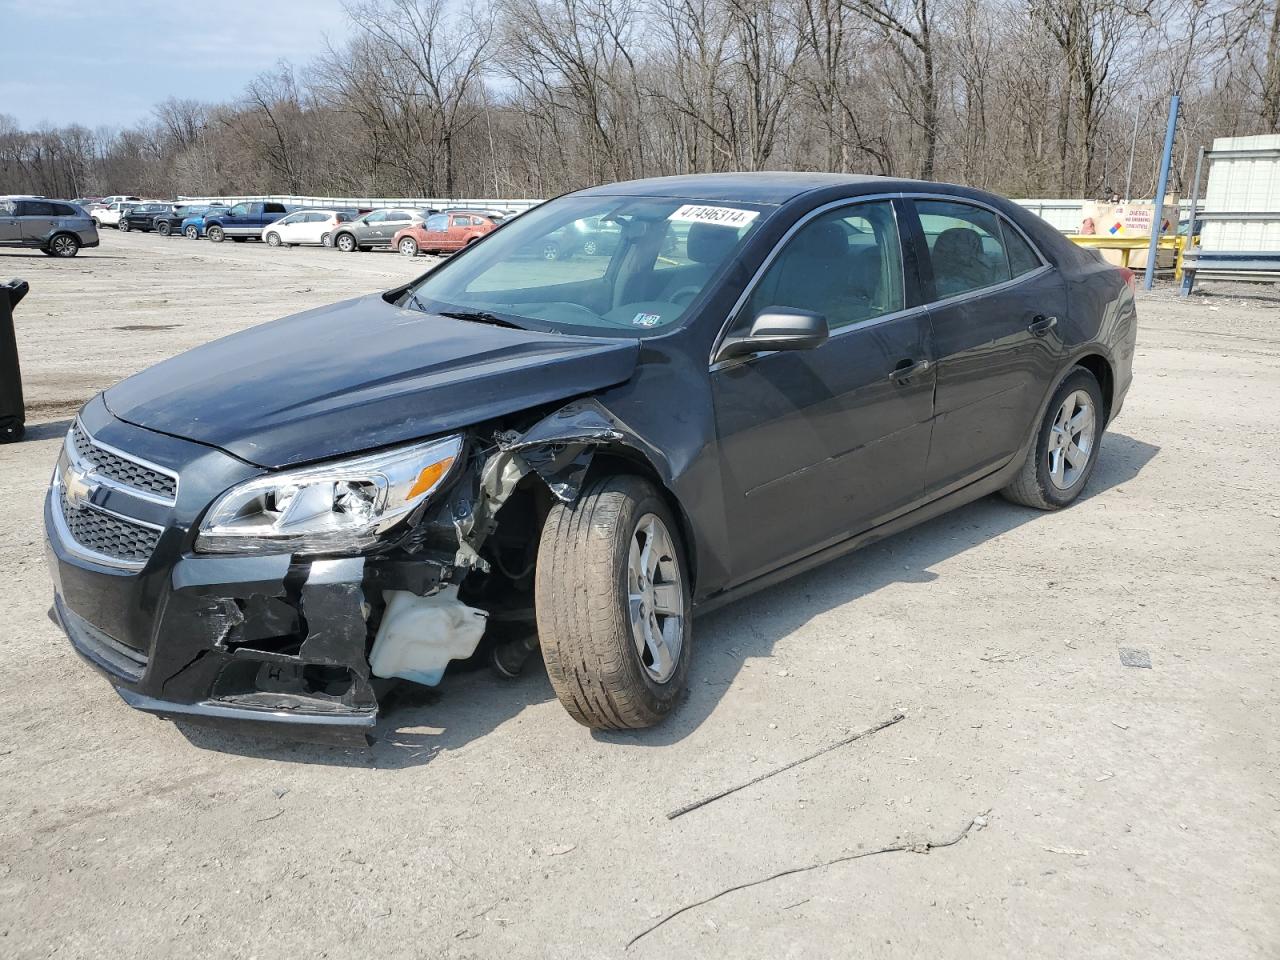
{"points": [[794, 763]]}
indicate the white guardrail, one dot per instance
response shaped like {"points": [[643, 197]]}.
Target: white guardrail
{"points": [[1064, 213], [438, 203]]}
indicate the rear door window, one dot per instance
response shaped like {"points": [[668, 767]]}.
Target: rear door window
{"points": [[1022, 258], [966, 247], [35, 208], [274, 208]]}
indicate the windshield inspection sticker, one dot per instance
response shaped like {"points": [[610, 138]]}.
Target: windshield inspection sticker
{"points": [[724, 216], [646, 319]]}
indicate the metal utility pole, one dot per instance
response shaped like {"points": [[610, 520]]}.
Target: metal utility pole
{"points": [[1157, 218], [1133, 146]]}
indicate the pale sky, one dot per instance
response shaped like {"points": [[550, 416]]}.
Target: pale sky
{"points": [[108, 61]]}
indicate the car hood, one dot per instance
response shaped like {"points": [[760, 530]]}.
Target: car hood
{"points": [[357, 375]]}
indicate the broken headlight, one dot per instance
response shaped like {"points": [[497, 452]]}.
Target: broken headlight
{"points": [[340, 507]]}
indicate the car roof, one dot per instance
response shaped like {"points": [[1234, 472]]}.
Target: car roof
{"points": [[770, 187]]}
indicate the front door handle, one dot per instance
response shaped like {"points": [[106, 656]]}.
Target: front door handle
{"points": [[906, 369], [1041, 324]]}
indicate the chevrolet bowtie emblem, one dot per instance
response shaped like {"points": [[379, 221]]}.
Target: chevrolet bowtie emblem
{"points": [[79, 488]]}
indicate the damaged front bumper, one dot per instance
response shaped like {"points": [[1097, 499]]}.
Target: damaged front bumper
{"points": [[272, 641]]}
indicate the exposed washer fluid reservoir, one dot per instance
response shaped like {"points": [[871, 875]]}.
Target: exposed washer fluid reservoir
{"points": [[418, 636]]}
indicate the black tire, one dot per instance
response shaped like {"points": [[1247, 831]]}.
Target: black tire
{"points": [[192, 232], [63, 245], [326, 240], [581, 597], [123, 225], [408, 247], [1034, 486], [273, 239], [215, 233], [345, 242], [164, 228]]}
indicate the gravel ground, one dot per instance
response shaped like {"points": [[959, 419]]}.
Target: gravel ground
{"points": [[1124, 812]]}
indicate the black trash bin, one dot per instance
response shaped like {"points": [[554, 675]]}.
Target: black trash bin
{"points": [[13, 412]]}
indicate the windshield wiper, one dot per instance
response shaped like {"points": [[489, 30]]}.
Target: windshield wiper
{"points": [[480, 316]]}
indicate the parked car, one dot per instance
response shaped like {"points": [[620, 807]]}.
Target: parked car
{"points": [[378, 228], [108, 215], [305, 227], [442, 233], [242, 222], [55, 227], [589, 238], [603, 447], [172, 223], [142, 216]]}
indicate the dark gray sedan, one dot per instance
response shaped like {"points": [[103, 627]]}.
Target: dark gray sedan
{"points": [[512, 453], [55, 227]]}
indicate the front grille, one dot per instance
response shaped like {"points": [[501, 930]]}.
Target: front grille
{"points": [[108, 535], [123, 471]]}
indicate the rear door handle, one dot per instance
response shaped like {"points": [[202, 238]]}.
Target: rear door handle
{"points": [[906, 369], [1041, 324]]}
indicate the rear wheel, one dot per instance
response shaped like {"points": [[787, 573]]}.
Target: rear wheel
{"points": [[1060, 462], [326, 240], [345, 242], [192, 232], [63, 245], [273, 239], [613, 599], [408, 247], [215, 233], [164, 228]]}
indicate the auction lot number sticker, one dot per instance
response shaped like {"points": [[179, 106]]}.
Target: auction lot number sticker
{"points": [[724, 216]]}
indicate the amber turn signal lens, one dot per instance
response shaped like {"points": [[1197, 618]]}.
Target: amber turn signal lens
{"points": [[429, 477]]}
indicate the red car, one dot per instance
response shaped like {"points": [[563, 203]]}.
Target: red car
{"points": [[444, 232]]}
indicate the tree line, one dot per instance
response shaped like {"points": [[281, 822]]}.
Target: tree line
{"points": [[531, 98]]}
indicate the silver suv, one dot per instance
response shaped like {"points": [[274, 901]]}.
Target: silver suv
{"points": [[55, 227]]}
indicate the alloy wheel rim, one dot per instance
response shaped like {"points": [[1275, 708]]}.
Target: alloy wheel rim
{"points": [[61, 245], [1071, 439], [408, 248], [655, 598]]}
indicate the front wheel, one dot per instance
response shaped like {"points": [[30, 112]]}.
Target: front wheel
{"points": [[63, 245], [273, 239], [409, 247], [192, 233], [345, 242], [1059, 463], [123, 225], [612, 596], [215, 233]]}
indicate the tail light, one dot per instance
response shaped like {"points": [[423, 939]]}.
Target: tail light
{"points": [[1130, 278]]}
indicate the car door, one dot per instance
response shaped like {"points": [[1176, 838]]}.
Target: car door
{"points": [[435, 232], [10, 226], [994, 304], [396, 221], [370, 231], [288, 227], [817, 445], [37, 219]]}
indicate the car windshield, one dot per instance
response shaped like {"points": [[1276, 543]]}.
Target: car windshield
{"points": [[604, 266]]}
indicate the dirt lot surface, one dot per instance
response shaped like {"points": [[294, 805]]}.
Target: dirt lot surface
{"points": [[1125, 812]]}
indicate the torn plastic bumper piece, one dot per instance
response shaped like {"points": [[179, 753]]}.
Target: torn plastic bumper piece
{"points": [[126, 669]]}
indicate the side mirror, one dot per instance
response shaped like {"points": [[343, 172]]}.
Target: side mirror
{"points": [[778, 328]]}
